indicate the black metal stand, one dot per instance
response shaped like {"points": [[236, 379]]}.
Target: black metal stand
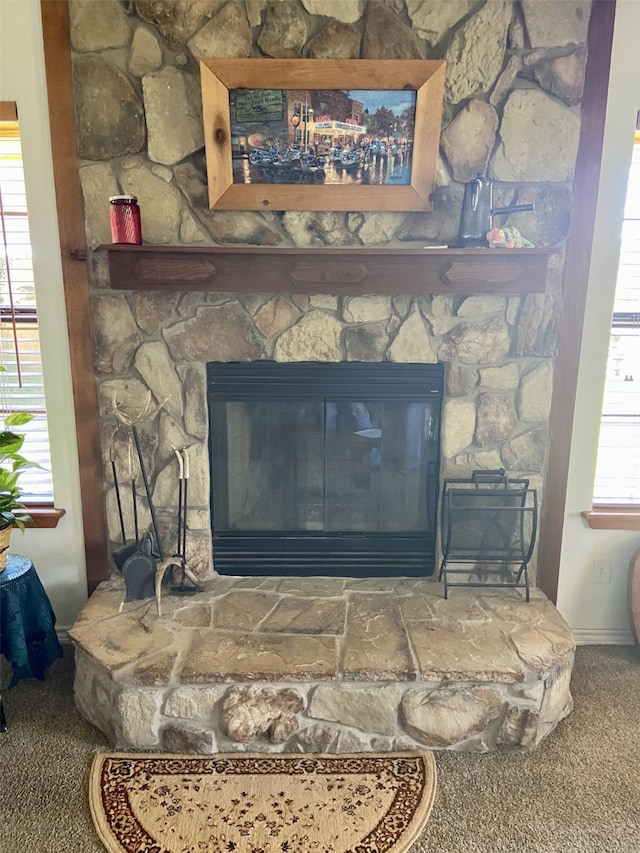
{"points": [[488, 522]]}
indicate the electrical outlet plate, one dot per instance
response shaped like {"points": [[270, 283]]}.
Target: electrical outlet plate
{"points": [[602, 570]]}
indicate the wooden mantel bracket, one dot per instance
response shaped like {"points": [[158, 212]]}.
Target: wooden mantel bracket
{"points": [[338, 271]]}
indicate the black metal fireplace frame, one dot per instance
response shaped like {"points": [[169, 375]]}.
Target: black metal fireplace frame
{"points": [[342, 553]]}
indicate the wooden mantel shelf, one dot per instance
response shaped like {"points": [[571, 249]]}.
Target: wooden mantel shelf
{"points": [[350, 271]]}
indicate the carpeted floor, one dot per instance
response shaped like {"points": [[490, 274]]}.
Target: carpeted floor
{"points": [[578, 792]]}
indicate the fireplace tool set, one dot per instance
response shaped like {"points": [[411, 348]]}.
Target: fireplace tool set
{"points": [[142, 562]]}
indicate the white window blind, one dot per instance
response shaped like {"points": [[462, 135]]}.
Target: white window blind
{"points": [[21, 386], [618, 468]]}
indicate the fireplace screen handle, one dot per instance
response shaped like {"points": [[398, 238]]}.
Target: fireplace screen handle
{"points": [[495, 475]]}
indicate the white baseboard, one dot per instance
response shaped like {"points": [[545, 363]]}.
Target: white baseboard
{"points": [[603, 637]]}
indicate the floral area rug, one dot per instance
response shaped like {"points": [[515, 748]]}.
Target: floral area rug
{"points": [[159, 803]]}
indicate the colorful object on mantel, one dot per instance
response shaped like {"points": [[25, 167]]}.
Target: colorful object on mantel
{"points": [[507, 238]]}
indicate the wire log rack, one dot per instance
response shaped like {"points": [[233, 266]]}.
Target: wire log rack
{"points": [[488, 525]]}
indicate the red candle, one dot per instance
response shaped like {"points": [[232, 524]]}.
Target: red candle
{"points": [[125, 219]]}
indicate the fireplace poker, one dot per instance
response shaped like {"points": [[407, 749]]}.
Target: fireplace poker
{"points": [[180, 590], [181, 554], [186, 570], [184, 520], [118, 499], [147, 490], [134, 501], [121, 555], [178, 455]]}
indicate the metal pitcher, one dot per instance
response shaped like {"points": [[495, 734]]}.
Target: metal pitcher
{"points": [[478, 212]]}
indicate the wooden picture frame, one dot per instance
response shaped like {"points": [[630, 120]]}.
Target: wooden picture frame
{"points": [[298, 80]]}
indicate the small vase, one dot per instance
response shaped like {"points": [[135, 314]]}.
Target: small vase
{"points": [[5, 536]]}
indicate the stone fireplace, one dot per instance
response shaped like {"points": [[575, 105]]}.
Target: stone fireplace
{"points": [[136, 73], [322, 663], [494, 405], [330, 646], [291, 663], [493, 414]]}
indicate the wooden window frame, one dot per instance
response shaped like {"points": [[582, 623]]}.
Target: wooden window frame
{"points": [[43, 512], [618, 516], [613, 517]]}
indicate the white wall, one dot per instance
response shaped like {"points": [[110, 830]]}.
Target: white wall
{"points": [[58, 554], [598, 612]]}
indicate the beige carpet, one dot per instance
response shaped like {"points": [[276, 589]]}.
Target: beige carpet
{"points": [[258, 803], [578, 792]]}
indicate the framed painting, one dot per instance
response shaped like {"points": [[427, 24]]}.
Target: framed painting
{"points": [[288, 134]]}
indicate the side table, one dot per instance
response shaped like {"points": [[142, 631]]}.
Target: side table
{"points": [[28, 637]]}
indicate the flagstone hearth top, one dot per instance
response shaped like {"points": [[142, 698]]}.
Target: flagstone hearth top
{"points": [[323, 629]]}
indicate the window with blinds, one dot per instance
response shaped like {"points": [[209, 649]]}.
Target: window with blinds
{"points": [[21, 383], [618, 468]]}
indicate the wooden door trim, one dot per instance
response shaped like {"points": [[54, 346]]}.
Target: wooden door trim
{"points": [[58, 72], [574, 298]]}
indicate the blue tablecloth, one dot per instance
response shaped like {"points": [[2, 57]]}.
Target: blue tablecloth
{"points": [[27, 622]]}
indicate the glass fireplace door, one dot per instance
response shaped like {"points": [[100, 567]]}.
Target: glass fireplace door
{"points": [[325, 480]]}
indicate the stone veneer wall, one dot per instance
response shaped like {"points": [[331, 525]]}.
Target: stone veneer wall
{"points": [[515, 72]]}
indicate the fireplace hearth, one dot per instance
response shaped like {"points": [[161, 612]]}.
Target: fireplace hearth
{"points": [[323, 665], [324, 468]]}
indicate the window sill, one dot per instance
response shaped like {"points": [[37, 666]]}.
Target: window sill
{"points": [[613, 517], [44, 516]]}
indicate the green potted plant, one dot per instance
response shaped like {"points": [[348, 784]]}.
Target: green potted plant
{"points": [[12, 464]]}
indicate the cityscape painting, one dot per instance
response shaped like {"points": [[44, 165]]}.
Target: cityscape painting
{"points": [[321, 134], [330, 136]]}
